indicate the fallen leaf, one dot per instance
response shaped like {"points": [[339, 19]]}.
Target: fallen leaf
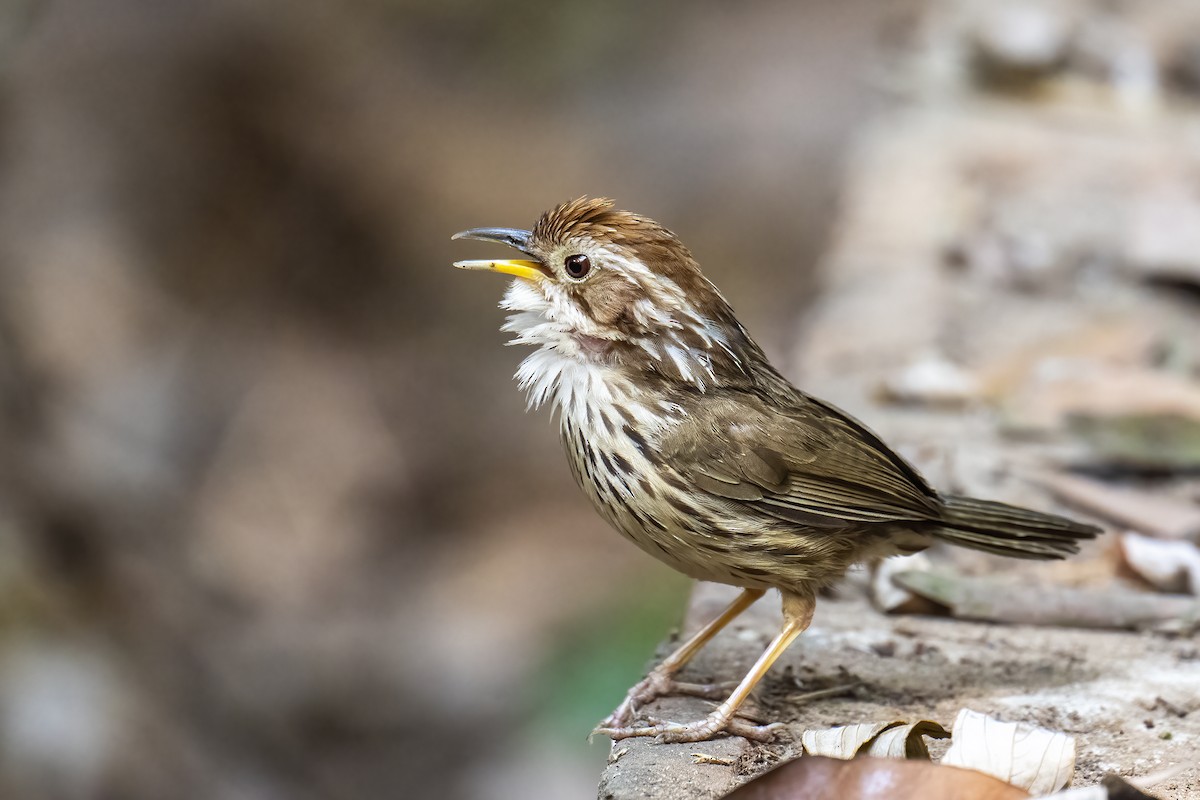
{"points": [[884, 739], [890, 598], [906, 741], [1002, 601], [933, 381], [1167, 566], [1032, 758], [844, 741], [866, 778], [1149, 513], [1164, 234]]}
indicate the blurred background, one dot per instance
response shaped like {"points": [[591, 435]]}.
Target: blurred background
{"points": [[273, 523]]}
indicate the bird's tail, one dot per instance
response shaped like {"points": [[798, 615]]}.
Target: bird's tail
{"points": [[1009, 530]]}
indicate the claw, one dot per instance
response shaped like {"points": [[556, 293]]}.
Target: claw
{"points": [[654, 686], [797, 614], [698, 731]]}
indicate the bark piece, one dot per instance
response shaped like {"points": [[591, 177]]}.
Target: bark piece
{"points": [[1153, 442], [999, 601], [1057, 391]]}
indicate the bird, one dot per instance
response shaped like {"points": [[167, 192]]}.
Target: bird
{"points": [[689, 442]]}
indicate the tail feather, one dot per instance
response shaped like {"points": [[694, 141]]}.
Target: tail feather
{"points": [[1009, 530]]}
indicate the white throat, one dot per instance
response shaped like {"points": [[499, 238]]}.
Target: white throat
{"points": [[562, 371], [568, 372]]}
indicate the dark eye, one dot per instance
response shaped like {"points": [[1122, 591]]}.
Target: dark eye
{"points": [[578, 266]]}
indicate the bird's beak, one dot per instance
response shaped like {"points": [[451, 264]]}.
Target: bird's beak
{"points": [[520, 267]]}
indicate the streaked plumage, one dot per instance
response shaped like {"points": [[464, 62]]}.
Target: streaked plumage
{"points": [[690, 443]]}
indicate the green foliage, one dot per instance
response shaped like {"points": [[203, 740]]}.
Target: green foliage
{"points": [[599, 657]]}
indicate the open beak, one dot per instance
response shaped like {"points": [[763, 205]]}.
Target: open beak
{"points": [[520, 267]]}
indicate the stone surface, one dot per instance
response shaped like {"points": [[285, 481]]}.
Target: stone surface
{"points": [[1101, 687], [1006, 235]]}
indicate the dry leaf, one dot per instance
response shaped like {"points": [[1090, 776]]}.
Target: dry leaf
{"points": [[1163, 517], [885, 739], [1167, 566], [932, 380], [906, 741], [818, 778], [1032, 758], [844, 741], [889, 597], [1164, 234]]}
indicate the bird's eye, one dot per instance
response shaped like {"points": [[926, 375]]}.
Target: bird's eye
{"points": [[578, 266]]}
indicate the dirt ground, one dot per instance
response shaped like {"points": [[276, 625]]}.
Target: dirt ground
{"points": [[1119, 694]]}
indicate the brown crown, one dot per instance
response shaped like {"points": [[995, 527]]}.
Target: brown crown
{"points": [[646, 240], [596, 219]]}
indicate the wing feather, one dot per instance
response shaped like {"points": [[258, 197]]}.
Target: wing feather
{"points": [[810, 464]]}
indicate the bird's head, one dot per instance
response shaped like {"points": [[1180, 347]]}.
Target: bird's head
{"points": [[603, 286]]}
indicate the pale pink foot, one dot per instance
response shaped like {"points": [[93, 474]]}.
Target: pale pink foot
{"points": [[655, 685], [698, 731]]}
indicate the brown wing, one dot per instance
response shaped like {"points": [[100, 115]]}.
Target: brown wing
{"points": [[811, 463]]}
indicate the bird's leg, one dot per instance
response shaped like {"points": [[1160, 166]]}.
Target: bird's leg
{"points": [[660, 681], [797, 614]]}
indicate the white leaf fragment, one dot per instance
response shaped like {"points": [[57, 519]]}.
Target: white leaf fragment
{"points": [[1034, 759], [932, 380], [881, 739], [906, 741], [887, 596], [1168, 566], [843, 741]]}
